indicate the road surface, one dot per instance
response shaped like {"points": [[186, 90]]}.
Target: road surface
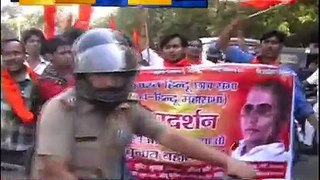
{"points": [[307, 168]]}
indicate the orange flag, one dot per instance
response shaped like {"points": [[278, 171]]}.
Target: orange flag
{"points": [[83, 21], [49, 21], [264, 4], [112, 23], [136, 40]]}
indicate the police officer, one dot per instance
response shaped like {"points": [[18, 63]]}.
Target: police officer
{"points": [[83, 131]]}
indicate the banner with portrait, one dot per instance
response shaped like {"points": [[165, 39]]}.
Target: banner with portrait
{"points": [[242, 110]]}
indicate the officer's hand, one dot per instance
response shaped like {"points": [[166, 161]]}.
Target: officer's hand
{"points": [[240, 169]]}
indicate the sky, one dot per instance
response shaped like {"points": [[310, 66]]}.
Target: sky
{"points": [[98, 11]]}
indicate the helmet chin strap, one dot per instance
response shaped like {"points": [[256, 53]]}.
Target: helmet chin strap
{"points": [[85, 91]]}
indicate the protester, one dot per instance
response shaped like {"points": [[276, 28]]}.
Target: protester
{"points": [[173, 51], [309, 130], [19, 105], [313, 80], [98, 117], [263, 116], [152, 57], [33, 40], [59, 74], [271, 44], [194, 53]]}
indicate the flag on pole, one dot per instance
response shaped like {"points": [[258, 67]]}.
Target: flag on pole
{"points": [[264, 4], [136, 40], [84, 17], [112, 23], [49, 21]]}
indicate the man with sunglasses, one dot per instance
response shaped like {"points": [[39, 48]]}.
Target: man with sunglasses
{"points": [[271, 44], [263, 116], [194, 53]]}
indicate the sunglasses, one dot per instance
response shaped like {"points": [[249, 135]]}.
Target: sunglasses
{"points": [[263, 109]]}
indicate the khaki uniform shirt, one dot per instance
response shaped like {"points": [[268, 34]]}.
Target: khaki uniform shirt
{"points": [[89, 137]]}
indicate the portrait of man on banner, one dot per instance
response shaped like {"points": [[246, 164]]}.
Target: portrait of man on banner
{"points": [[263, 117]]}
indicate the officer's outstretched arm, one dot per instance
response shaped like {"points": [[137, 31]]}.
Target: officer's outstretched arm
{"points": [[54, 142], [146, 125], [197, 150]]}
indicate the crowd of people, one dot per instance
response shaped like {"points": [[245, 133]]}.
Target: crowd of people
{"points": [[35, 69]]}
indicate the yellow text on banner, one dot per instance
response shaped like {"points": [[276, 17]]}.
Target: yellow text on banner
{"points": [[149, 2], [36, 2]]}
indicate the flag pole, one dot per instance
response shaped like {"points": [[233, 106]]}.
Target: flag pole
{"points": [[147, 32], [265, 10]]}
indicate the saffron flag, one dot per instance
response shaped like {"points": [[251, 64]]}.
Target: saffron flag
{"points": [[136, 40], [49, 21], [264, 4], [84, 13], [112, 23]]}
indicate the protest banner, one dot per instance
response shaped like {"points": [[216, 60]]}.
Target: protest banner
{"points": [[245, 111]]}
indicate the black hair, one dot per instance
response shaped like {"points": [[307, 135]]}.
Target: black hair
{"points": [[72, 34], [283, 97], [165, 40], [198, 42], [52, 44], [6, 41], [33, 32], [279, 35]]}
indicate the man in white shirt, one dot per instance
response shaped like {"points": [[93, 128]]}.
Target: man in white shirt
{"points": [[263, 116], [152, 58], [309, 130], [313, 79], [33, 40]]}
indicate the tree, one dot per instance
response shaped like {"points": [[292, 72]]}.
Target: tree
{"points": [[10, 12], [14, 21], [298, 21], [189, 22], [101, 22]]}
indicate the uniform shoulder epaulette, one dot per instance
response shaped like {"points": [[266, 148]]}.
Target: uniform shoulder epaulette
{"points": [[69, 102], [68, 99]]}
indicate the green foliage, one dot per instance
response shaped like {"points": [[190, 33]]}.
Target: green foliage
{"points": [[14, 21], [297, 20]]}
